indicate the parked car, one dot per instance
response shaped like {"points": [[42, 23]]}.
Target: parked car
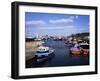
{"points": [[76, 49], [43, 53], [85, 49]]}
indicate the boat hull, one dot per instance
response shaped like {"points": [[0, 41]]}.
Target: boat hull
{"points": [[44, 56]]}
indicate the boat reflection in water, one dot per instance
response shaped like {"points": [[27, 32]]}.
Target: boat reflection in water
{"points": [[43, 53]]}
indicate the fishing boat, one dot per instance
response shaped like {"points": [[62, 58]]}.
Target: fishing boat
{"points": [[43, 53]]}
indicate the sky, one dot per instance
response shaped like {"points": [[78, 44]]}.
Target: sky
{"points": [[52, 24]]}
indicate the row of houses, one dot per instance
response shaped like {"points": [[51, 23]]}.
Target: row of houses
{"points": [[82, 37]]}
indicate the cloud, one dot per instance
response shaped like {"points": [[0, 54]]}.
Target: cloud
{"points": [[63, 20], [70, 19], [76, 17], [51, 28], [35, 22], [58, 28]]}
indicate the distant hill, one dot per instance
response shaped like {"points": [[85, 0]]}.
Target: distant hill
{"points": [[80, 34]]}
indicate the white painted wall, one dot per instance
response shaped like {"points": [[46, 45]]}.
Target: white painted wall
{"points": [[5, 42]]}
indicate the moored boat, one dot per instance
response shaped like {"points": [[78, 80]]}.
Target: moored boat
{"points": [[43, 53]]}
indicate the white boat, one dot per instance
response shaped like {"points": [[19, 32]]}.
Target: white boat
{"points": [[43, 53]]}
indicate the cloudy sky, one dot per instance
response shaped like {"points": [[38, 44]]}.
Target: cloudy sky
{"points": [[55, 24]]}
